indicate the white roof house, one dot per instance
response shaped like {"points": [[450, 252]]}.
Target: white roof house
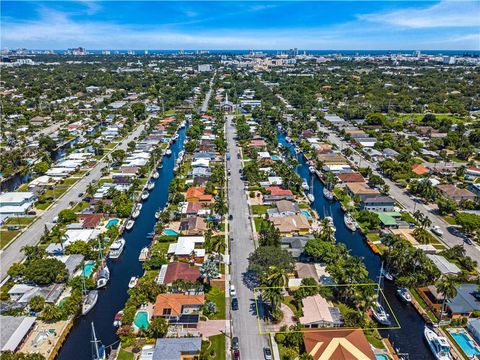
{"points": [[186, 245], [201, 163], [445, 266], [14, 330], [16, 203], [79, 235]]}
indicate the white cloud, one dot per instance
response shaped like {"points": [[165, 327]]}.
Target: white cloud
{"points": [[446, 14]]}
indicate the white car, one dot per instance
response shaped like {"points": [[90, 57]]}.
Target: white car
{"points": [[436, 230], [233, 292]]}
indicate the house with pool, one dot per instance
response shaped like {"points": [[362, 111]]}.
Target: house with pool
{"points": [[180, 310]]}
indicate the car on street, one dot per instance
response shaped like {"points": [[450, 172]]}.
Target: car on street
{"points": [[468, 241], [230, 217], [267, 353], [80, 194], [233, 292], [234, 303], [436, 230], [236, 354], [235, 343]]}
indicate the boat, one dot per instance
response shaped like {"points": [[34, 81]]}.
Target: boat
{"points": [[182, 124], [89, 300], [311, 198], [312, 169], [331, 223], [133, 282], [387, 275], [436, 230], [130, 224], [97, 347], [174, 137], [305, 185], [136, 211], [288, 139], [157, 214], [143, 254], [116, 248], [380, 314], [310, 195], [155, 175], [349, 222], [150, 185], [297, 151], [103, 277], [327, 193], [145, 195], [168, 152], [438, 345], [117, 320], [404, 294]]}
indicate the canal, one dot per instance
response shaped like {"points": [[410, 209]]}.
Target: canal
{"points": [[409, 338], [113, 298]]}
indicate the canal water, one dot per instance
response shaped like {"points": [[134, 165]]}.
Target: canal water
{"points": [[409, 338], [113, 298]]}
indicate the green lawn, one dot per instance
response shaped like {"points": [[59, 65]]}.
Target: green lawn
{"points": [[373, 339], [69, 182], [449, 219], [6, 237], [218, 297], [373, 237], [43, 206], [125, 355], [57, 192], [23, 187], [110, 146], [82, 205], [214, 349], [420, 301], [19, 221], [259, 209], [258, 223]]}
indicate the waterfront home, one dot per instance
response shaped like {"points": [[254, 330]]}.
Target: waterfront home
{"points": [[419, 169], [291, 224], [332, 159], [323, 148], [257, 143], [389, 153], [90, 221], [179, 309], [350, 177], [176, 349], [318, 313], [361, 190], [284, 208], [472, 171], [316, 271], [193, 209], [473, 326], [465, 302], [84, 235], [177, 270], [22, 293], [338, 345], [187, 247], [197, 193], [445, 266], [15, 330], [378, 203], [277, 193], [193, 226], [452, 192], [16, 203]]}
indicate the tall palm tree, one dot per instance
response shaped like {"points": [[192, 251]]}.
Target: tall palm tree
{"points": [[326, 234], [447, 286]]}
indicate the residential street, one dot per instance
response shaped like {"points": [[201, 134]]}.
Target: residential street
{"points": [[244, 320], [209, 93], [403, 198], [31, 236]]}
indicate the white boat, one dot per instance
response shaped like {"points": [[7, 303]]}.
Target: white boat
{"points": [[327, 193], [136, 211], [288, 139], [103, 277], [157, 214], [349, 222], [155, 175], [145, 195], [143, 254], [297, 151], [168, 152], [438, 345], [311, 169], [150, 185], [174, 137], [436, 230], [331, 223], [311, 198], [380, 314], [116, 248], [133, 282], [182, 124], [98, 348], [130, 224], [404, 294], [305, 185], [387, 275], [89, 301], [117, 321]]}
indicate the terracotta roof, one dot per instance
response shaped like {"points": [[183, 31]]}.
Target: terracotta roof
{"points": [[175, 302], [452, 191], [129, 169], [315, 309], [257, 143], [332, 159], [198, 192], [180, 270], [277, 190], [90, 221], [291, 223], [361, 189], [351, 177], [338, 345], [194, 207], [419, 169]]}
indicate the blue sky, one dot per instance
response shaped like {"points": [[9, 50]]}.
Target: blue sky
{"points": [[429, 25]]}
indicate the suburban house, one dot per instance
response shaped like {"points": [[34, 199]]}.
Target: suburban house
{"points": [[318, 313], [378, 203], [361, 190], [193, 225], [176, 349], [179, 309], [284, 208], [291, 224], [178, 271], [197, 208], [419, 169], [188, 246], [197, 193], [454, 193], [90, 221], [16, 203], [466, 302], [14, 331], [277, 193], [472, 171], [445, 266], [350, 177], [295, 244], [338, 345]]}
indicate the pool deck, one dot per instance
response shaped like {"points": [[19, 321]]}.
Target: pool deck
{"points": [[49, 346]]}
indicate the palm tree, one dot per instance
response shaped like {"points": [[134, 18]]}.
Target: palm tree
{"points": [[447, 286], [217, 245], [326, 234], [220, 206], [209, 270]]}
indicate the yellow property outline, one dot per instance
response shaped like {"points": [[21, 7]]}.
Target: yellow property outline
{"points": [[261, 332]]}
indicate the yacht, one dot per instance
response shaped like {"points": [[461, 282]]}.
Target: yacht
{"points": [[311, 197], [157, 214], [133, 282], [387, 275], [168, 152], [312, 169], [155, 175], [288, 139], [98, 348], [116, 248], [380, 314], [404, 295], [145, 195], [182, 124], [327, 193], [305, 185], [136, 211], [349, 222], [150, 185], [89, 301], [174, 137], [143, 254], [438, 345], [117, 320], [130, 224], [103, 277]]}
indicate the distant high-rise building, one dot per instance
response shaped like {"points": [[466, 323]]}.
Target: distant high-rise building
{"points": [[418, 53], [77, 51], [204, 67], [131, 52], [106, 52], [449, 60]]}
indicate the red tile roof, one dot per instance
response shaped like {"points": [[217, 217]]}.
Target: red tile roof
{"points": [[419, 169], [90, 221], [351, 177], [180, 270], [279, 191]]}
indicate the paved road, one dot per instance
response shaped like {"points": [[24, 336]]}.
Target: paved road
{"points": [[244, 320], [403, 198], [209, 93], [32, 235]]}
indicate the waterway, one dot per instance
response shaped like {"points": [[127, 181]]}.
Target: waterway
{"points": [[112, 299], [409, 338]]}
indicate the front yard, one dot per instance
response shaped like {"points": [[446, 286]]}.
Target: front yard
{"points": [[218, 297]]}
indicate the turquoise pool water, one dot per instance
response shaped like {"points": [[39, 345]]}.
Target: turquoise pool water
{"points": [[306, 213], [141, 320], [112, 222], [88, 268], [466, 344], [275, 157], [381, 357], [170, 232]]}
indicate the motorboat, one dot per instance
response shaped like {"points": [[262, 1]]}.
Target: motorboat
{"points": [[312, 169], [98, 348], [155, 175], [157, 214], [89, 301], [136, 211], [305, 185], [331, 223], [380, 314], [117, 320], [387, 275], [145, 195], [311, 198], [297, 151], [438, 345], [133, 282], [174, 137], [168, 152], [404, 294], [350, 222], [182, 124], [436, 230], [116, 248], [103, 277], [150, 185], [288, 139], [130, 224], [143, 254], [328, 194]]}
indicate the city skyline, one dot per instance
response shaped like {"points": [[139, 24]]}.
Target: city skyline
{"points": [[426, 25]]}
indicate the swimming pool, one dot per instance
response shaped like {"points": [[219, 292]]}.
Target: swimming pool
{"points": [[381, 357], [466, 344], [88, 268], [306, 214], [141, 320], [111, 223], [170, 232]]}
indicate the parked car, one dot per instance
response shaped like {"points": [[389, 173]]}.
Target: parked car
{"points": [[230, 217], [234, 303], [80, 194], [236, 354], [233, 292], [13, 228], [235, 343], [267, 353], [468, 241], [436, 230]]}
